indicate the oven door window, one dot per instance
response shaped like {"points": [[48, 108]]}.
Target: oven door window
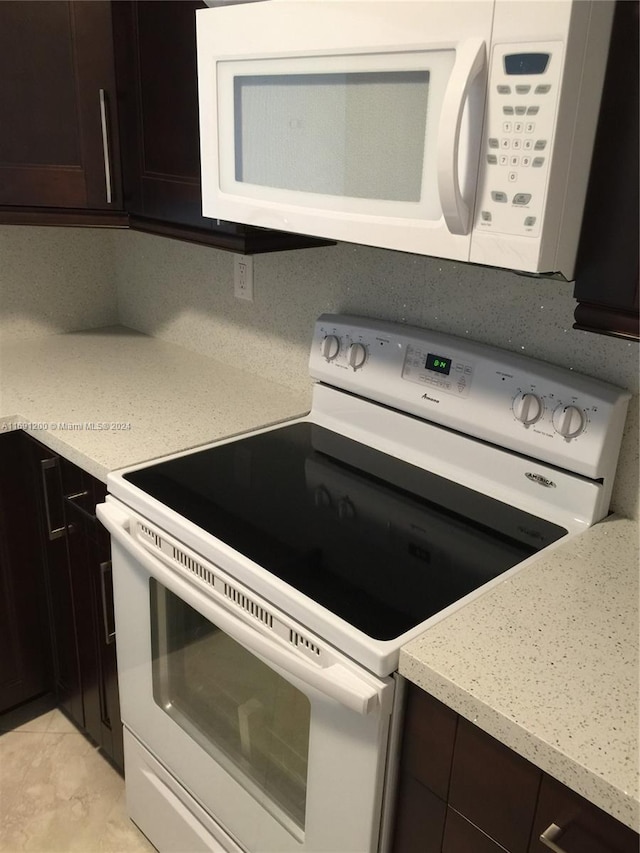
{"points": [[245, 715]]}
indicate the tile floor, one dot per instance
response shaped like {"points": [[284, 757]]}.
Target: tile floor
{"points": [[58, 794]]}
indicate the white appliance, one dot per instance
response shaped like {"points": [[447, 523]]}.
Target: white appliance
{"points": [[265, 584], [462, 130]]}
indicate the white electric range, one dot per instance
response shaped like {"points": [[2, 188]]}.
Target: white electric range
{"points": [[265, 584]]}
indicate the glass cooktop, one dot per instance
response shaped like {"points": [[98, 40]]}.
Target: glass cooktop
{"points": [[381, 543]]}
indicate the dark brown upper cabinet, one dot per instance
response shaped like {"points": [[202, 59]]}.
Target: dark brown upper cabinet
{"points": [[155, 48], [606, 284], [59, 140]]}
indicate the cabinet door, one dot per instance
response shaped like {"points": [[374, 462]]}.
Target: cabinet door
{"points": [[90, 569], [493, 788], [25, 659], [156, 66], [59, 140], [46, 479]]}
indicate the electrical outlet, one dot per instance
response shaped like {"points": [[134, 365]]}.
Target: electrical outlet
{"points": [[243, 277]]}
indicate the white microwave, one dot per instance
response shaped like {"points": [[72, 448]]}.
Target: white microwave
{"points": [[460, 129]]}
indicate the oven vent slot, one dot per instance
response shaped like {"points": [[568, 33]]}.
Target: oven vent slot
{"points": [[301, 642], [248, 605], [194, 567], [150, 535]]}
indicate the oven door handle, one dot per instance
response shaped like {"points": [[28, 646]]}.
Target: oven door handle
{"points": [[336, 681]]}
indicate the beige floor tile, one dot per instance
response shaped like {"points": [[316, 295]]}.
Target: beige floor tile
{"points": [[59, 795]]}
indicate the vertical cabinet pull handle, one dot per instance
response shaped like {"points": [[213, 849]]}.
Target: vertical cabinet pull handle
{"points": [[109, 636], [53, 532], [105, 144]]}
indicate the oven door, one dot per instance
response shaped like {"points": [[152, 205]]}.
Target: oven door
{"points": [[229, 700]]}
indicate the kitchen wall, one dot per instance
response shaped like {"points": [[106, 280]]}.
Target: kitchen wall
{"points": [[184, 294], [55, 280]]}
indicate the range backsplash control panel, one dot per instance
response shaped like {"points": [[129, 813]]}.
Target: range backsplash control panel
{"points": [[515, 402]]}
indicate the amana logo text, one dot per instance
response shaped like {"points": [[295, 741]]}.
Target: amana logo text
{"points": [[540, 480], [427, 397]]}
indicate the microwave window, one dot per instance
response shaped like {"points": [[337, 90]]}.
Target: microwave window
{"points": [[358, 135]]}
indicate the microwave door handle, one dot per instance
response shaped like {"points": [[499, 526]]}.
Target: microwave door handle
{"points": [[336, 681], [470, 62]]}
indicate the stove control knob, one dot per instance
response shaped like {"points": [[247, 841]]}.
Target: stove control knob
{"points": [[569, 421], [527, 408], [357, 355], [330, 347]]}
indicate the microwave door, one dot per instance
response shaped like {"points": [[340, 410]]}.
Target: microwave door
{"points": [[351, 126]]}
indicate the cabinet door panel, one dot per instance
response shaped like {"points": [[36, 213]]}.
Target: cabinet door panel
{"points": [[55, 57], [493, 787], [89, 561], [429, 735], [419, 818], [46, 480], [25, 657]]}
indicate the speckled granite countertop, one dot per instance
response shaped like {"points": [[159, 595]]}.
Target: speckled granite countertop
{"points": [[547, 663], [107, 398]]}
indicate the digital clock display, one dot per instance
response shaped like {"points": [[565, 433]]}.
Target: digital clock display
{"points": [[438, 363]]}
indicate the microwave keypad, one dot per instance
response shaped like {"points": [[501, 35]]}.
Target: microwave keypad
{"points": [[515, 163]]}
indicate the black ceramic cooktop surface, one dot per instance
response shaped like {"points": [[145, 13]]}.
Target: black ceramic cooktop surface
{"points": [[377, 541]]}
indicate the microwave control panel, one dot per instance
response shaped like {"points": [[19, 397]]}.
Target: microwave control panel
{"points": [[522, 100]]}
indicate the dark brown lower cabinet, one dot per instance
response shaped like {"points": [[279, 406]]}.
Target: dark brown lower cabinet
{"points": [[461, 791], [25, 650], [77, 579], [90, 572]]}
